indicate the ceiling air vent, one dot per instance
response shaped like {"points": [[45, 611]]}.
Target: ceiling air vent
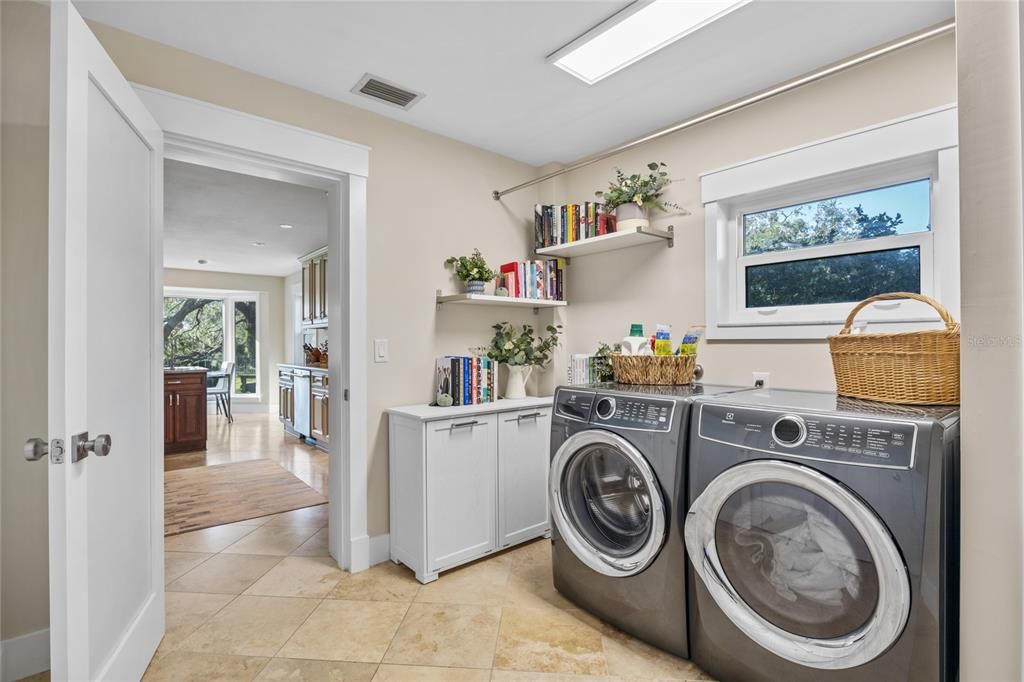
{"points": [[386, 91]]}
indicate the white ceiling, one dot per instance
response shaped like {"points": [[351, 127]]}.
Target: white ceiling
{"points": [[217, 215], [482, 64]]}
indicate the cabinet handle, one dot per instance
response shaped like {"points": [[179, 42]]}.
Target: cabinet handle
{"points": [[177, 399], [174, 383], [461, 425], [532, 415], [170, 400]]}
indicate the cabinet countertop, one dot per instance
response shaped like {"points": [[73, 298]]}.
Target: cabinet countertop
{"points": [[428, 413], [311, 368], [185, 370]]}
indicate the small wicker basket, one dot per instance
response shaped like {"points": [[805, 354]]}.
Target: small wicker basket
{"points": [[909, 368], [662, 370]]}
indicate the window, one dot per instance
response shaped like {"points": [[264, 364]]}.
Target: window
{"points": [[205, 330], [796, 238]]}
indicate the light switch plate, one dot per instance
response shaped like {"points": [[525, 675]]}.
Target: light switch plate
{"points": [[380, 350]]}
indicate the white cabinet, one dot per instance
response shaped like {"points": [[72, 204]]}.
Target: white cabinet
{"points": [[523, 462], [466, 481], [462, 462]]}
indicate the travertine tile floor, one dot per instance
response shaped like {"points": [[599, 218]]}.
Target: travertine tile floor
{"points": [[262, 600]]}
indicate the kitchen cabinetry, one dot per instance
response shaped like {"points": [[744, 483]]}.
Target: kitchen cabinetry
{"points": [[319, 407], [467, 481], [304, 403], [314, 288], [184, 410]]}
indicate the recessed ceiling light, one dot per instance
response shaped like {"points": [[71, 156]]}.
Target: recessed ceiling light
{"points": [[259, 244], [202, 261], [640, 30], [286, 226]]}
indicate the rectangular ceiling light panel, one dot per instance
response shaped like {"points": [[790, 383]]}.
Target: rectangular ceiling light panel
{"points": [[638, 31]]}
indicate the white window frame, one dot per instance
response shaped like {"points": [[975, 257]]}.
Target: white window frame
{"points": [[228, 298], [915, 147]]}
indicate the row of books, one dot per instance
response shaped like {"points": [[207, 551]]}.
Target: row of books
{"points": [[553, 225], [587, 369], [540, 279], [468, 379]]}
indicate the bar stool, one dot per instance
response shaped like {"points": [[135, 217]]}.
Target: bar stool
{"points": [[221, 389]]}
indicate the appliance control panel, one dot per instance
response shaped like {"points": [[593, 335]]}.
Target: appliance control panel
{"points": [[826, 437], [575, 404], [646, 414]]}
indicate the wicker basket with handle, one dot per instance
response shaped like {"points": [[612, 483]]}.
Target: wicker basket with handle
{"points": [[911, 368], [663, 370]]}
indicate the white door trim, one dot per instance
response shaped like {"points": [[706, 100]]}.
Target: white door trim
{"points": [[210, 135]]}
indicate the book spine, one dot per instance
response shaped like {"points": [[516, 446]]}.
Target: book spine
{"points": [[467, 397], [475, 385], [538, 226]]}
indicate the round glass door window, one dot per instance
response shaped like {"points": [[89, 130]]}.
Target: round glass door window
{"points": [[608, 500], [606, 503], [799, 564], [796, 560]]}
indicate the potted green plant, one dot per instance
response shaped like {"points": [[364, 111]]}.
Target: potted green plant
{"points": [[633, 196], [472, 270], [520, 350]]}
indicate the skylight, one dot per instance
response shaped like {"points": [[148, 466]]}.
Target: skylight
{"points": [[634, 34]]}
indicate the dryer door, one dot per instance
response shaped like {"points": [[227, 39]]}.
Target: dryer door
{"points": [[799, 563], [606, 503]]}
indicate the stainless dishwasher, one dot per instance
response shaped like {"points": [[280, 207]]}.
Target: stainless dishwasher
{"points": [[301, 416]]}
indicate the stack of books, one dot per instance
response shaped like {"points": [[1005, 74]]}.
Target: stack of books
{"points": [[553, 225], [468, 379], [587, 369], [540, 279]]}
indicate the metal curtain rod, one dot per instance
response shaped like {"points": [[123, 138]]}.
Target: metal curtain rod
{"points": [[779, 89]]}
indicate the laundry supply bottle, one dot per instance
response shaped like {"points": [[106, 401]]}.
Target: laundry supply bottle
{"points": [[663, 340], [634, 343]]}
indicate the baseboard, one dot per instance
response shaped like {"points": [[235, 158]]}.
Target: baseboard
{"points": [[380, 548], [26, 655]]}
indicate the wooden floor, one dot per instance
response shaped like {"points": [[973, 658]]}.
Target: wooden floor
{"points": [[256, 436]]}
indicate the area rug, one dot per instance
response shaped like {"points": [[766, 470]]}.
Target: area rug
{"points": [[201, 497]]}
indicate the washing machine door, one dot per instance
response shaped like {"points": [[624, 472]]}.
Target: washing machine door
{"points": [[799, 563], [606, 503]]}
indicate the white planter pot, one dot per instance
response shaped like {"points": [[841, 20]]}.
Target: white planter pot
{"points": [[630, 217], [515, 386]]}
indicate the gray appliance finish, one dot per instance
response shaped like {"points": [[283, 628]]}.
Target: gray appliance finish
{"points": [[823, 539], [616, 486]]}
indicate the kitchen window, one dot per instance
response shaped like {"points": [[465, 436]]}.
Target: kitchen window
{"points": [[205, 329], [794, 239]]}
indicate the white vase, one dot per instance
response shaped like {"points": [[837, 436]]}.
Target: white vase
{"points": [[630, 217], [515, 386]]}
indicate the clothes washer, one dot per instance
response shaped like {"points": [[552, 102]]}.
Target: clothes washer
{"points": [[823, 539], [615, 487]]}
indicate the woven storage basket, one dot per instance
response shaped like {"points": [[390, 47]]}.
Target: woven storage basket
{"points": [[910, 368], [653, 369]]}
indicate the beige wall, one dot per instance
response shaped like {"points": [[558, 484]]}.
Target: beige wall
{"points": [[992, 268], [654, 284], [429, 197], [25, 112], [271, 320]]}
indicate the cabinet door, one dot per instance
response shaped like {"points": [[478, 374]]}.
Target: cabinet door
{"points": [[190, 415], [317, 413], [168, 417], [308, 292], [461, 465], [321, 295], [523, 461]]}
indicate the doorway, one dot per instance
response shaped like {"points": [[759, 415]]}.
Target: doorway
{"points": [[234, 244]]}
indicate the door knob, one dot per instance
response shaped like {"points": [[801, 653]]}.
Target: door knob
{"points": [[37, 448], [99, 446]]}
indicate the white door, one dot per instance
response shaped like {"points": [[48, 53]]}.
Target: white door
{"points": [[106, 512]]}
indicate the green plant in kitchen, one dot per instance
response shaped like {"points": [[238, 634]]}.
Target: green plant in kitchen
{"points": [[472, 270], [643, 190], [521, 350]]}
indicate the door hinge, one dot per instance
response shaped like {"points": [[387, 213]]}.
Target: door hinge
{"points": [[344, 395]]}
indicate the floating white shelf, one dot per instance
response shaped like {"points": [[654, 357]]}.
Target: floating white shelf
{"points": [[609, 242], [486, 299]]}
